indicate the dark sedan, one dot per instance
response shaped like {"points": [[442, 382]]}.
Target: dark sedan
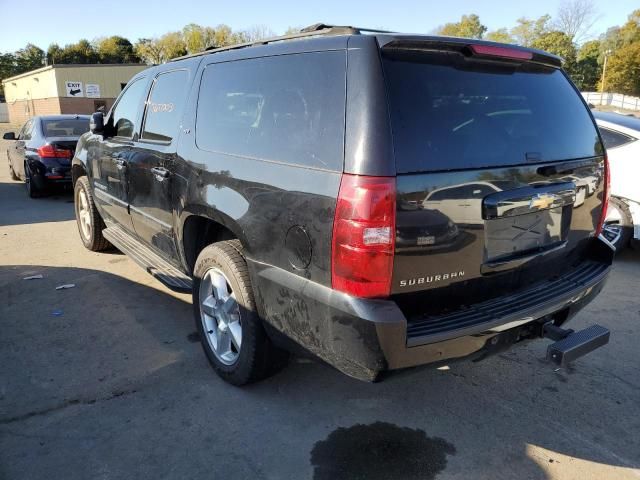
{"points": [[41, 152]]}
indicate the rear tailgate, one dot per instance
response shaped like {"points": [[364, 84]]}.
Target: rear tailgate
{"points": [[499, 174]]}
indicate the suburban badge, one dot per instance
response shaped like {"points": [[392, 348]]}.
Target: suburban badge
{"points": [[431, 279]]}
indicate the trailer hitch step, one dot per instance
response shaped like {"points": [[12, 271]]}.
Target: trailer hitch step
{"points": [[570, 345]]}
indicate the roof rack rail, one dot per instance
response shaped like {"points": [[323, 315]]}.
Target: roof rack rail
{"points": [[317, 29]]}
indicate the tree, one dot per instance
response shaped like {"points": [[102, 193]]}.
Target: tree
{"points": [[54, 54], [7, 68], [159, 50], [29, 58], [558, 43], [469, 26], [197, 38], [623, 70], [609, 42], [527, 30], [149, 50], [7, 65], [292, 30], [258, 32], [115, 49], [81, 52], [501, 35], [617, 43], [630, 31], [224, 36], [588, 68], [576, 18], [172, 45]]}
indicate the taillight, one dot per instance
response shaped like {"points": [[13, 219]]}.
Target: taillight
{"points": [[605, 195], [50, 151], [503, 52], [364, 236]]}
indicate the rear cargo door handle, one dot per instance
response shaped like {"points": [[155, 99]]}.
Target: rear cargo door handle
{"points": [[160, 173]]}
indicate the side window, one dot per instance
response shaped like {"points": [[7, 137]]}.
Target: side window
{"points": [[126, 110], [479, 190], [452, 193], [164, 107], [613, 139], [287, 108], [25, 133], [437, 196]]}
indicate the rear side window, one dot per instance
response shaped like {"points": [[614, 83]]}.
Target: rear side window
{"points": [[125, 112], [449, 112], [72, 127], [164, 107], [463, 192], [25, 133], [612, 139], [287, 108]]}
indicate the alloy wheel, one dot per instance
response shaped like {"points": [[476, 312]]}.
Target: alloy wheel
{"points": [[220, 316], [84, 214]]}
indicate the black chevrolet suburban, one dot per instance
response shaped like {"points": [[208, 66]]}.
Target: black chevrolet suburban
{"points": [[378, 200]]}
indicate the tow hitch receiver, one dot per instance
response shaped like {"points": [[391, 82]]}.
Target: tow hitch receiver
{"points": [[570, 345]]}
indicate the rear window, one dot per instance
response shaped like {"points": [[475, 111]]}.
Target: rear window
{"points": [[73, 127], [613, 139], [287, 109], [448, 112]]}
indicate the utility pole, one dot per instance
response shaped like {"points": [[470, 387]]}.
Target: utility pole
{"points": [[603, 82]]}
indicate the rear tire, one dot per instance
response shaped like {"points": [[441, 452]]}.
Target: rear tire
{"points": [[231, 332], [32, 189], [89, 221]]}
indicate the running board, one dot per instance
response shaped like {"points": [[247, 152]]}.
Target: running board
{"points": [[148, 259], [571, 345]]}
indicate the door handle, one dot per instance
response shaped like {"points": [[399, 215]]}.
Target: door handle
{"points": [[160, 173]]}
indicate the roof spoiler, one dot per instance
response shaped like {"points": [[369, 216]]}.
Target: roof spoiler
{"points": [[471, 48]]}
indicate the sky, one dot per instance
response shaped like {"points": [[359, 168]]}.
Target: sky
{"points": [[67, 22]]}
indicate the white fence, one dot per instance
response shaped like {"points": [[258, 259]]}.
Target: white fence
{"points": [[4, 113], [612, 99]]}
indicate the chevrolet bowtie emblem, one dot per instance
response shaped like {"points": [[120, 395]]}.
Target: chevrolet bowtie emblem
{"points": [[542, 201]]}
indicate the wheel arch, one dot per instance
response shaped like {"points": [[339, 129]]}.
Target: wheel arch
{"points": [[201, 226], [79, 161], [77, 171]]}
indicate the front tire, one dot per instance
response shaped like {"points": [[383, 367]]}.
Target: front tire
{"points": [[12, 172], [90, 223], [231, 332]]}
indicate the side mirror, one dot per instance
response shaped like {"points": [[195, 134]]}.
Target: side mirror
{"points": [[9, 136], [96, 124]]}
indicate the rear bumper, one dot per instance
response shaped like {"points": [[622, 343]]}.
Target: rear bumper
{"points": [[58, 175], [44, 175], [633, 208], [363, 337]]}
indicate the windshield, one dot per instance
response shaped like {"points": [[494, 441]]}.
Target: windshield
{"points": [[449, 112], [67, 127]]}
